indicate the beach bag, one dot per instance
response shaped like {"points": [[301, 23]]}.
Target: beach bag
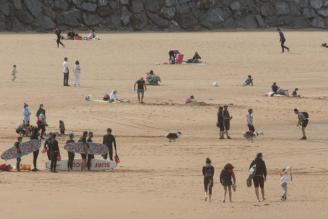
{"points": [[306, 114], [249, 181]]}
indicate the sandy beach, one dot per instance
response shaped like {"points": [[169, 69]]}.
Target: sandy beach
{"points": [[158, 179]]}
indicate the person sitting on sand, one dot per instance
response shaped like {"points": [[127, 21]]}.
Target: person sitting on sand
{"points": [[70, 35], [113, 97], [274, 88], [152, 78], [172, 56], [248, 81], [195, 59], [190, 99], [91, 35], [324, 45], [208, 173], [228, 180], [295, 93]]}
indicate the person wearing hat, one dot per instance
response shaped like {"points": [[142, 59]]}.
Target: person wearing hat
{"points": [[226, 118], [71, 155], [27, 114]]}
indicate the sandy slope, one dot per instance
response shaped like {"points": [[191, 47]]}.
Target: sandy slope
{"points": [[157, 179]]}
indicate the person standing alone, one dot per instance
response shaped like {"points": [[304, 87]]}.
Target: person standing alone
{"points": [[282, 41], [141, 87], [77, 73], [109, 141], [66, 71]]}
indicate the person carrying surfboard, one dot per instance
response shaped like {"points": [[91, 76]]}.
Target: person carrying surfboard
{"points": [[260, 175], [71, 155], [90, 156], [18, 153], [208, 173], [83, 140]]}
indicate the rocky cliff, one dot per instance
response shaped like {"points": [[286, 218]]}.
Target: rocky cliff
{"points": [[158, 15]]}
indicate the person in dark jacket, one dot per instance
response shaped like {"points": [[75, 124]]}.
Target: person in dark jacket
{"points": [[83, 140], [109, 141], [227, 118], [54, 151], [35, 136], [282, 41], [260, 175], [71, 155], [228, 180], [220, 122], [90, 156], [208, 173]]}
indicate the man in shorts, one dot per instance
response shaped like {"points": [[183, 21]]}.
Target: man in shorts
{"points": [[303, 121], [140, 87], [260, 175]]}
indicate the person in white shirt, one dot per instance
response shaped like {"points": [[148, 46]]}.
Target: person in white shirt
{"points": [[77, 72], [284, 179], [66, 71], [250, 123]]}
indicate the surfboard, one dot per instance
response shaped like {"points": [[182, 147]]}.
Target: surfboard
{"points": [[96, 165], [26, 148], [90, 148]]}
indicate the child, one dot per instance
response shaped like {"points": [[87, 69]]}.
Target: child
{"points": [[284, 178], [228, 180], [71, 155], [248, 81], [14, 72], [18, 153], [295, 93], [208, 173], [62, 127]]}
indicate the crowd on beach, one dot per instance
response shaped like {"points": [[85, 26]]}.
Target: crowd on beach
{"points": [[227, 177]]}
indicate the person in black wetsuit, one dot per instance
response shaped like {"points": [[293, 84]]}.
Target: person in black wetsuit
{"points": [[208, 173], [282, 41], [90, 156], [71, 155], [220, 122], [35, 136], [59, 37], [54, 151], [83, 139], [109, 141], [260, 175]]}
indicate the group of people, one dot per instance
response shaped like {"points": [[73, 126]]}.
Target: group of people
{"points": [[76, 70], [72, 35], [51, 147], [258, 175], [224, 118]]}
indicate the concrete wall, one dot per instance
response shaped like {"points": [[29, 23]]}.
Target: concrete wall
{"points": [[160, 15]]}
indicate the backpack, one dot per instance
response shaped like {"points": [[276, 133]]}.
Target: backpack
{"points": [[306, 114]]}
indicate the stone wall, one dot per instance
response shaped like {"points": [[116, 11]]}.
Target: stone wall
{"points": [[160, 15]]}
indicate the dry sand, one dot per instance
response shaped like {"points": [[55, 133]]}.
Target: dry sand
{"points": [[157, 179]]}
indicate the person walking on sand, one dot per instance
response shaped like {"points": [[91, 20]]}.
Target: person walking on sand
{"points": [[285, 177], [227, 118], [228, 180], [208, 173], [303, 121], [77, 73], [220, 122], [59, 37], [18, 152], [109, 141], [282, 41], [14, 72], [259, 176], [54, 151], [140, 87], [66, 71], [27, 114]]}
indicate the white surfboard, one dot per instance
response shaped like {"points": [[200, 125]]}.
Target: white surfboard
{"points": [[96, 165]]}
